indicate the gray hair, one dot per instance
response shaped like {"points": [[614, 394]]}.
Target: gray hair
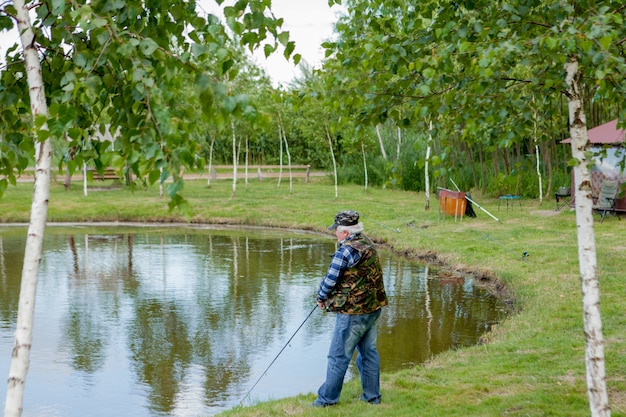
{"points": [[353, 230]]}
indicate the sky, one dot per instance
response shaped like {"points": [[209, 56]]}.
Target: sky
{"points": [[310, 22]]}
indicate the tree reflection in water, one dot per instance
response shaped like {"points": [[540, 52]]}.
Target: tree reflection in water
{"points": [[181, 321]]}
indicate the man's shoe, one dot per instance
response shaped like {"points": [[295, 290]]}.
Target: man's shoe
{"points": [[316, 403]]}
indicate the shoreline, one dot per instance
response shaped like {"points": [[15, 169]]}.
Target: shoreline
{"points": [[532, 362]]}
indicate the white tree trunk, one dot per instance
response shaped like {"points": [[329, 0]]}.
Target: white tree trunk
{"points": [[161, 190], [85, 179], [280, 156], [399, 145], [594, 352], [288, 158], [332, 155], [364, 163], [380, 142], [208, 182], [426, 163], [537, 153], [232, 126], [247, 152], [20, 359]]}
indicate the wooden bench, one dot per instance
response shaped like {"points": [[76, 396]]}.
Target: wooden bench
{"points": [[107, 174]]}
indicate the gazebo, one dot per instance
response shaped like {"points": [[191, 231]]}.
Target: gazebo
{"points": [[607, 145]]}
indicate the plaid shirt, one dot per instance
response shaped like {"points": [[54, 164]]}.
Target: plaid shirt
{"points": [[345, 257]]}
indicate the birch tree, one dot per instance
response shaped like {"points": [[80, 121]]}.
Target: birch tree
{"points": [[426, 164], [122, 64], [282, 137], [588, 263], [364, 164], [381, 142], [332, 154], [538, 155], [480, 63], [39, 211], [235, 156]]}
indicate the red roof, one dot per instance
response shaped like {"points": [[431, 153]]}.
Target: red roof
{"points": [[603, 134]]}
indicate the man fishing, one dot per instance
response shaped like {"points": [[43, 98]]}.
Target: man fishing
{"points": [[353, 288]]}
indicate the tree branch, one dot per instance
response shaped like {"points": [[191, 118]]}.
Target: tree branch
{"points": [[544, 25]]}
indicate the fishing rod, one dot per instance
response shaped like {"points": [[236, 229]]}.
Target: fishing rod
{"points": [[475, 203], [281, 351]]}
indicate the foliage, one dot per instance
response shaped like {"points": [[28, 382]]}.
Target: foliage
{"points": [[412, 173], [121, 67], [488, 75], [381, 75]]}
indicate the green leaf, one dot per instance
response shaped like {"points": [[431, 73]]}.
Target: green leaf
{"points": [[58, 7], [43, 134], [229, 104], [53, 109], [283, 38], [227, 65], [586, 45], [154, 176], [98, 23], [465, 46], [198, 50], [40, 120], [551, 43], [203, 81], [103, 36], [80, 60], [148, 46], [5, 22], [3, 186], [74, 133], [429, 73], [112, 5], [172, 189], [605, 42]]}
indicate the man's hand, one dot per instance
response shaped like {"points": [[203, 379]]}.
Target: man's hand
{"points": [[321, 304]]}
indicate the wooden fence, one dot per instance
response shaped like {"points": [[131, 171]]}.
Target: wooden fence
{"points": [[262, 171], [259, 172]]}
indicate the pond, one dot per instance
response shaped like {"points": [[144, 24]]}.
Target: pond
{"points": [[182, 321]]}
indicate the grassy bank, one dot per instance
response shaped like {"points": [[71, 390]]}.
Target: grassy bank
{"points": [[531, 364]]}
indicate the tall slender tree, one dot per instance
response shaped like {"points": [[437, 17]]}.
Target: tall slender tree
{"points": [[117, 63], [479, 63], [20, 361]]}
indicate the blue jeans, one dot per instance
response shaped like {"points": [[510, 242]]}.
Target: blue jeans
{"points": [[352, 331]]}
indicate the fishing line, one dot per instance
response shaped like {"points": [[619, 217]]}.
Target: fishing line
{"points": [[412, 225], [281, 351], [524, 255], [397, 230]]}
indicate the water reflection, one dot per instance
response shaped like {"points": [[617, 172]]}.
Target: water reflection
{"points": [[182, 321]]}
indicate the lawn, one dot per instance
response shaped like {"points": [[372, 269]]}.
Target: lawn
{"points": [[530, 364]]}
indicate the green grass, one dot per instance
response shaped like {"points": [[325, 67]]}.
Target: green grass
{"points": [[530, 364]]}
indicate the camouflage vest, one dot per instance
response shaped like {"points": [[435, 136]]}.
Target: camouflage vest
{"points": [[360, 290]]}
